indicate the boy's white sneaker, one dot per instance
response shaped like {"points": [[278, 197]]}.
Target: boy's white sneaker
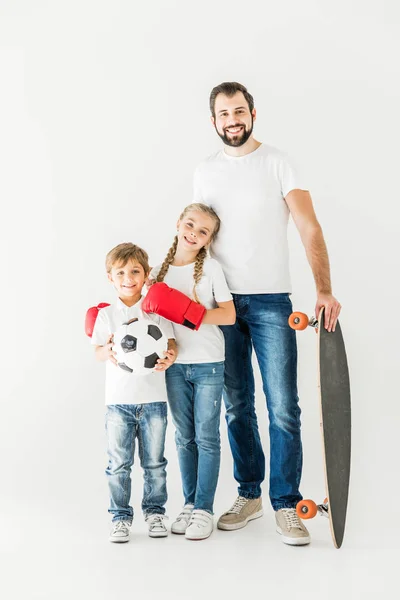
{"points": [[156, 525], [200, 525], [182, 520], [120, 531]]}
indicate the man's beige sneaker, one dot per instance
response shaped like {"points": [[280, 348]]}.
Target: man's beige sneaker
{"points": [[291, 528], [242, 511]]}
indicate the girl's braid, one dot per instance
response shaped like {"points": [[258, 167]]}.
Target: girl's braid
{"points": [[198, 270], [168, 260]]}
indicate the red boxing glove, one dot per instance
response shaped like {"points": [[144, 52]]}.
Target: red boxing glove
{"points": [[91, 317], [173, 305]]}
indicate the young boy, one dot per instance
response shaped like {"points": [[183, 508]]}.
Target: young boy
{"points": [[137, 406]]}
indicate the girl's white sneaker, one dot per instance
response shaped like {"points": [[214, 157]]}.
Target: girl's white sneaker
{"points": [[182, 520], [200, 525]]}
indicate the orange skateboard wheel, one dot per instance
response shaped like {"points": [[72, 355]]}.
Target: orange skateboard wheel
{"points": [[298, 320], [306, 509]]}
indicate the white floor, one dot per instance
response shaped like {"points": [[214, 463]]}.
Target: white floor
{"points": [[62, 557]]}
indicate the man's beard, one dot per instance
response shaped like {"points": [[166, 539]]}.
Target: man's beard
{"points": [[236, 140]]}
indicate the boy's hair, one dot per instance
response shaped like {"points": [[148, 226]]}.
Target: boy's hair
{"points": [[198, 267], [125, 252], [230, 88]]}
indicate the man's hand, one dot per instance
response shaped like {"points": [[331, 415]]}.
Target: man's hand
{"points": [[106, 352], [332, 310]]}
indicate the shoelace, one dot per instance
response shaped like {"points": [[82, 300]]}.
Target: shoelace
{"points": [[120, 526], [291, 518], [238, 505], [156, 521], [199, 518]]}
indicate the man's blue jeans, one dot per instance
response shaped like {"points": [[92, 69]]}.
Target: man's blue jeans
{"points": [[262, 324], [147, 423], [194, 396]]}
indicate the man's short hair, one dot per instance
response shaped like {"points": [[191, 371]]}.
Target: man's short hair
{"points": [[230, 88]]}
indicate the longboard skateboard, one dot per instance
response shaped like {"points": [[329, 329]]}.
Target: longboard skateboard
{"points": [[335, 421]]}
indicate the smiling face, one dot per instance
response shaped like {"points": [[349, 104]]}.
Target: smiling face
{"points": [[128, 280], [233, 120], [195, 231]]}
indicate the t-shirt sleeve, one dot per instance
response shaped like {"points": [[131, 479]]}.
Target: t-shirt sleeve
{"points": [[101, 331], [220, 287], [289, 177]]}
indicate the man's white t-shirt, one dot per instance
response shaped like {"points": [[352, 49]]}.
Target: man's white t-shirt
{"points": [[207, 343], [248, 194], [123, 387]]}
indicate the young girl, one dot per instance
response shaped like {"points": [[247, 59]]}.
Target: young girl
{"points": [[195, 381]]}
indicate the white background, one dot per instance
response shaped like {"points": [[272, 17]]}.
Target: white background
{"points": [[103, 117]]}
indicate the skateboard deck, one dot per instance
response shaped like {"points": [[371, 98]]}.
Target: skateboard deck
{"points": [[335, 421]]}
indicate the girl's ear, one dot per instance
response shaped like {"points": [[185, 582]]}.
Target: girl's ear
{"points": [[178, 224]]}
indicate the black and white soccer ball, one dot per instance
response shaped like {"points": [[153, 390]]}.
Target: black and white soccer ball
{"points": [[138, 344]]}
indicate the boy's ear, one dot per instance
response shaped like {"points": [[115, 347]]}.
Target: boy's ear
{"points": [[110, 279]]}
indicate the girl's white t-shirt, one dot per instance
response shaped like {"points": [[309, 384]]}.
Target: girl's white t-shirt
{"points": [[207, 344]]}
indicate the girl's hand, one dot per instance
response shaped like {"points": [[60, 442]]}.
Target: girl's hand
{"points": [[106, 352], [164, 363]]}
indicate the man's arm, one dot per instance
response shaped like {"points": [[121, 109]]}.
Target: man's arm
{"points": [[302, 211]]}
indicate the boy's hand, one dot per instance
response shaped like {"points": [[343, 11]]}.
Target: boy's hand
{"points": [[106, 352], [164, 363]]}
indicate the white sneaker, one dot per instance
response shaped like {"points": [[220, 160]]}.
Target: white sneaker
{"points": [[200, 525], [156, 525], [120, 531], [182, 520]]}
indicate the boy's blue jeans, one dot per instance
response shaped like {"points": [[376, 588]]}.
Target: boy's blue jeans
{"points": [[194, 396], [262, 324], [124, 424]]}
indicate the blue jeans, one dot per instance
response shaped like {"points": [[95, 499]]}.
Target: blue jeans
{"points": [[262, 324], [147, 423], [194, 396]]}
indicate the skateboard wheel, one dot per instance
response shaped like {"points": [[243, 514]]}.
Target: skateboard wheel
{"points": [[298, 320], [306, 509]]}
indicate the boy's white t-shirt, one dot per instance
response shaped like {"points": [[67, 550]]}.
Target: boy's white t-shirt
{"points": [[123, 387], [207, 343], [248, 194]]}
